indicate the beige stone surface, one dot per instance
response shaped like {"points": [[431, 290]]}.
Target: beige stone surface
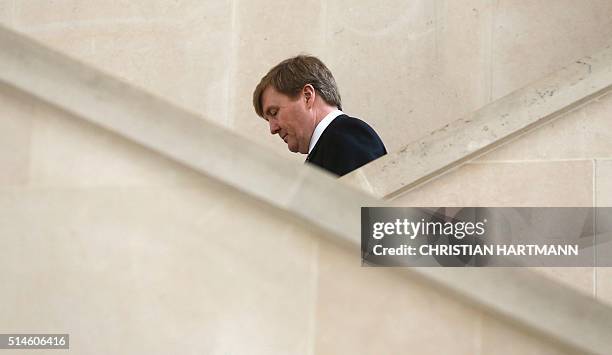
{"points": [[582, 279], [15, 135], [367, 62], [603, 196], [380, 311], [428, 73], [156, 271], [164, 258], [70, 12], [179, 135], [463, 55], [511, 184], [111, 241], [145, 222], [604, 285], [92, 157], [7, 11], [207, 56], [517, 295], [501, 339], [120, 273], [434, 76], [604, 199], [515, 184], [527, 46], [584, 133], [156, 205], [130, 252], [454, 57], [175, 49], [487, 128], [603, 182]]}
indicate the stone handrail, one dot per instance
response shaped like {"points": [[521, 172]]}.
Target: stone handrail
{"points": [[487, 128], [520, 296]]}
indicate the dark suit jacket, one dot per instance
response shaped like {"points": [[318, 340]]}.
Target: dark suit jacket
{"points": [[345, 145]]}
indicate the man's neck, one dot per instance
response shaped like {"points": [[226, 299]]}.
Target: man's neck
{"points": [[322, 112], [321, 126]]}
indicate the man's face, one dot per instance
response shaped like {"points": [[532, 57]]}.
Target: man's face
{"points": [[289, 118]]}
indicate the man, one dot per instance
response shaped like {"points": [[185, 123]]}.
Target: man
{"points": [[300, 100]]}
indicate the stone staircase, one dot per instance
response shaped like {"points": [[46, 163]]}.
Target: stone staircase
{"points": [[488, 128], [139, 227]]}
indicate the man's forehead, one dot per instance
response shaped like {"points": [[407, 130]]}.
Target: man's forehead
{"points": [[270, 97]]}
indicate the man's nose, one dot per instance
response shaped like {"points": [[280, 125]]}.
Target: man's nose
{"points": [[274, 127]]}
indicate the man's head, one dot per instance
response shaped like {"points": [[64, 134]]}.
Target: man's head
{"points": [[294, 96]]}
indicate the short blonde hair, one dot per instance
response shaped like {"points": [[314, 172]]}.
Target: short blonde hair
{"points": [[291, 75]]}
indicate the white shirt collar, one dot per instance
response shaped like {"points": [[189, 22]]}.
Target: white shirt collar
{"points": [[321, 127]]}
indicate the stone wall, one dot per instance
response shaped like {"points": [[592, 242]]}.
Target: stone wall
{"points": [[567, 162], [406, 67], [129, 252], [111, 241]]}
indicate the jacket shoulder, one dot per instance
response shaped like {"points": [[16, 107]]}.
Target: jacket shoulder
{"points": [[346, 144], [351, 130]]}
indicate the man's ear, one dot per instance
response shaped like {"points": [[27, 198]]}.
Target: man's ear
{"points": [[309, 95]]}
